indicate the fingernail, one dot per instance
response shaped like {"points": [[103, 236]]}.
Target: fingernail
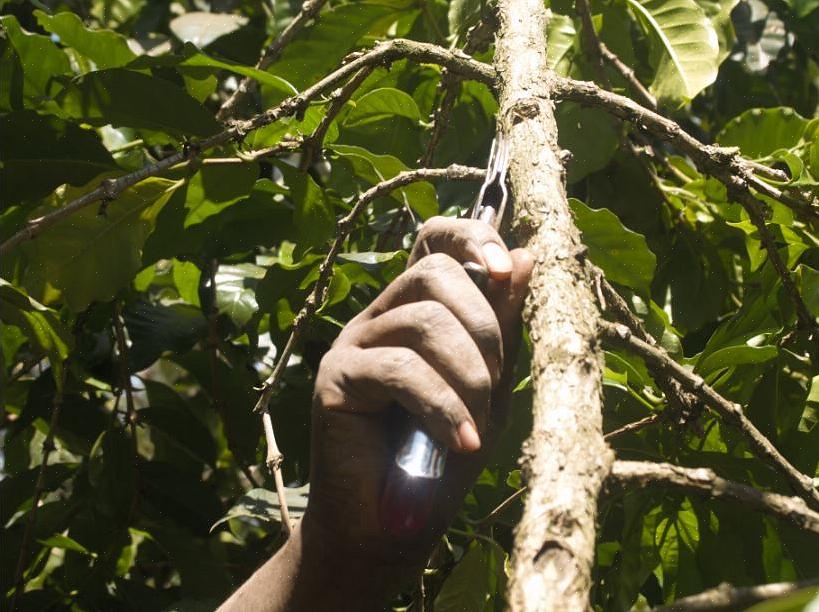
{"points": [[470, 440], [497, 259]]}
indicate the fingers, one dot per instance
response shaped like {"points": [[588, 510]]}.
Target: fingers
{"points": [[354, 379], [437, 336], [464, 240], [439, 278]]}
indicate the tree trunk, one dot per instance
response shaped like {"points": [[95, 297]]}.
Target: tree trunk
{"points": [[565, 459]]}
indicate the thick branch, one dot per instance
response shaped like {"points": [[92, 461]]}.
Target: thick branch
{"points": [[555, 540], [345, 226], [383, 53], [658, 359], [728, 597], [703, 481], [308, 11]]}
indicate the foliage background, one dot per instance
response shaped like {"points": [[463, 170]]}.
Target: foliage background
{"points": [[203, 267]]}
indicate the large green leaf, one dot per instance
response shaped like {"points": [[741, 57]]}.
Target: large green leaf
{"points": [[574, 124], [39, 324], [202, 28], [321, 48], [560, 39], [685, 47], [41, 152], [41, 59], [761, 131], [217, 186], [131, 99], [622, 254], [382, 103], [314, 218], [263, 505], [419, 196], [89, 257], [105, 48], [235, 291], [467, 587]]}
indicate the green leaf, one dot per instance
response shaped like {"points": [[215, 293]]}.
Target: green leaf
{"points": [[199, 60], [809, 287], [216, 187], [382, 103], [41, 59], [462, 15], [719, 13], [263, 505], [314, 219], [202, 28], [685, 47], [761, 131], [622, 254], [419, 196], [235, 291], [574, 124], [59, 540], [39, 324], [125, 98], [41, 152], [105, 48], [90, 257], [467, 587], [319, 49], [560, 38], [186, 277], [733, 356], [155, 329]]}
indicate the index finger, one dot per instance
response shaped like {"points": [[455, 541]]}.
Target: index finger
{"points": [[464, 240]]}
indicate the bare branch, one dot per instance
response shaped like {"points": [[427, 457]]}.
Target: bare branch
{"points": [[555, 540], [658, 359], [274, 461], [636, 426], [309, 10], [39, 489], [312, 145], [382, 53], [728, 597], [703, 481], [684, 406], [317, 295], [724, 164]]}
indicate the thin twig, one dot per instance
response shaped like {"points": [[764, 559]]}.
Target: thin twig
{"points": [[39, 488], [635, 426], [628, 75], [312, 145], [684, 406], [382, 53], [317, 295], [703, 481], [130, 408], [657, 359], [728, 597], [274, 461], [724, 164], [308, 11], [501, 508]]}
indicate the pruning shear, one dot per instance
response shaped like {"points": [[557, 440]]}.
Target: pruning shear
{"points": [[408, 494]]}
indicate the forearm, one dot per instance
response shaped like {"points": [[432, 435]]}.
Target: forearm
{"points": [[305, 575]]}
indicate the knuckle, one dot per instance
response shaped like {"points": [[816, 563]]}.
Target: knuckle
{"points": [[431, 317], [479, 381], [400, 361]]}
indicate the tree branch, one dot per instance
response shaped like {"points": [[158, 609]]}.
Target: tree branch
{"points": [[555, 539], [658, 359], [345, 225], [703, 481], [728, 597], [39, 489], [383, 53], [274, 459], [635, 426], [309, 10], [684, 406]]}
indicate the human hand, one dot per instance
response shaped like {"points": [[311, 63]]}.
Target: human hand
{"points": [[444, 351]]}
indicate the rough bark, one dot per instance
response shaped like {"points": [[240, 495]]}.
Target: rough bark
{"points": [[565, 459]]}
